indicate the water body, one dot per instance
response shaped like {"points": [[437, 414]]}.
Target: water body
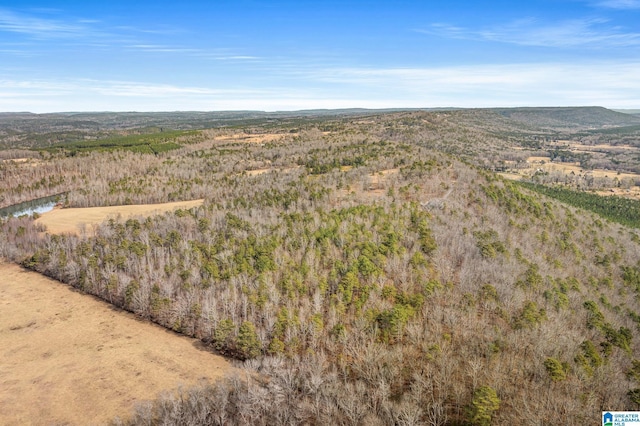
{"points": [[38, 205]]}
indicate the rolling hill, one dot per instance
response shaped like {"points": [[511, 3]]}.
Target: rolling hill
{"points": [[363, 269]]}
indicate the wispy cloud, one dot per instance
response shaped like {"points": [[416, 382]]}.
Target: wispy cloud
{"points": [[98, 34], [619, 4], [39, 27], [117, 88], [219, 54], [155, 31], [146, 90], [43, 25], [236, 58], [598, 83], [155, 48], [99, 95], [17, 52], [591, 33], [610, 84]]}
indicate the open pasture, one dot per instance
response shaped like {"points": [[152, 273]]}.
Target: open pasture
{"points": [[69, 358]]}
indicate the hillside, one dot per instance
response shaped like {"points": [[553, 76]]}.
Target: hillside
{"points": [[366, 269], [26, 130], [629, 111], [69, 359], [569, 118]]}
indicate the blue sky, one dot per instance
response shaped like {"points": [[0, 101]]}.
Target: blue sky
{"points": [[289, 55]]}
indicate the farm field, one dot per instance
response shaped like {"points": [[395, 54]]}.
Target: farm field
{"points": [[633, 192], [250, 138], [68, 358], [576, 147], [74, 220], [544, 164]]}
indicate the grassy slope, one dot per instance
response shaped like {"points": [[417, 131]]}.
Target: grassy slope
{"points": [[569, 117]]}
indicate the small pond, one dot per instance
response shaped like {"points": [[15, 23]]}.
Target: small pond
{"points": [[38, 205]]}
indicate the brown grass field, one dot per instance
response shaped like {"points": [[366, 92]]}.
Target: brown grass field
{"points": [[380, 177], [23, 162], [375, 185], [257, 172], [578, 147], [72, 221], [545, 164], [253, 138], [68, 358]]}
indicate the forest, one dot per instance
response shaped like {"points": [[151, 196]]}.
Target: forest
{"points": [[360, 267]]}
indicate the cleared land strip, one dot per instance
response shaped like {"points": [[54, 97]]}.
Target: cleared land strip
{"points": [[59, 221], [68, 358]]}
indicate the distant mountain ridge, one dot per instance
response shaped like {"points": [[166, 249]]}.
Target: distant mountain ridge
{"points": [[628, 111], [28, 130], [569, 117], [547, 117]]}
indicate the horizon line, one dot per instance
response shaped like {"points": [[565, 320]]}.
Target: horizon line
{"points": [[316, 109]]}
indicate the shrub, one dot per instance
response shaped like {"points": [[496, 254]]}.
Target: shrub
{"points": [[529, 317], [484, 404], [557, 370], [248, 344]]}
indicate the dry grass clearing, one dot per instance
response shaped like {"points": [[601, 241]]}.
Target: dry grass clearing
{"points": [[633, 192], [374, 186], [576, 147], [545, 164], [32, 162], [68, 358], [538, 160], [15, 160], [253, 138], [510, 176], [379, 178], [72, 221], [257, 172]]}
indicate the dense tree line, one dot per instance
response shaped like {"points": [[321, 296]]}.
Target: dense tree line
{"points": [[618, 209]]}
